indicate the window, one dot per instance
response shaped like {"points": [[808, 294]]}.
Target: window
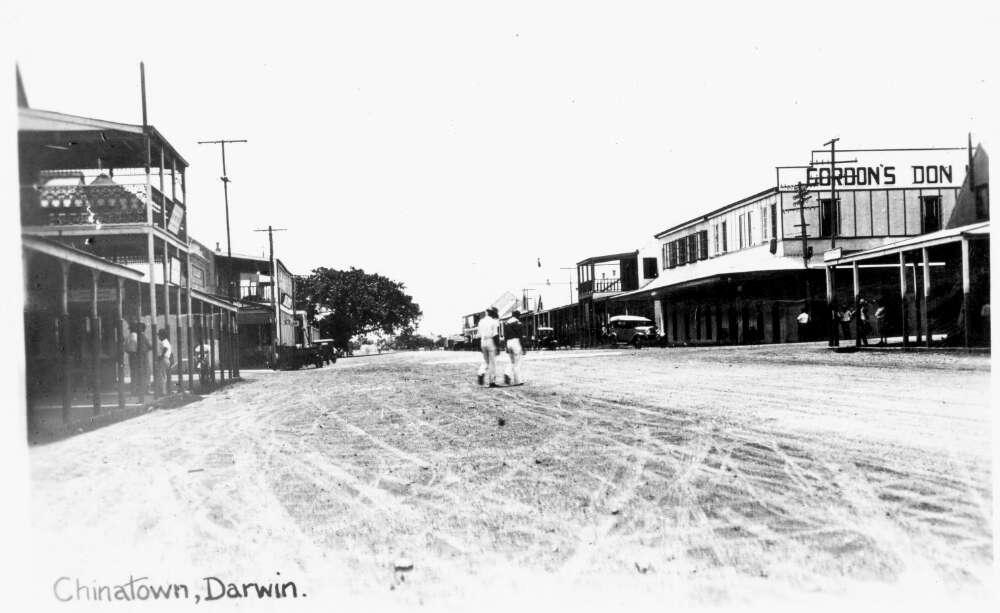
{"points": [[725, 246], [666, 255], [828, 218], [197, 276], [931, 213], [692, 247], [982, 193], [774, 221], [649, 268], [672, 254], [739, 220], [681, 251], [715, 238], [703, 245], [763, 223]]}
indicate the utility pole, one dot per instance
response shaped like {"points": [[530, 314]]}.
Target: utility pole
{"points": [[225, 190], [801, 197], [834, 206], [276, 337], [571, 268]]}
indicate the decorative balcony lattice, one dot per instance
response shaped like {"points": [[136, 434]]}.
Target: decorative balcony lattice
{"points": [[87, 204]]}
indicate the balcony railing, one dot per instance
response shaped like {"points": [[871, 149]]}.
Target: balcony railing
{"points": [[66, 205], [602, 286]]}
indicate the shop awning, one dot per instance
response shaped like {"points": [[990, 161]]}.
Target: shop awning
{"points": [[977, 230], [80, 258], [213, 300]]}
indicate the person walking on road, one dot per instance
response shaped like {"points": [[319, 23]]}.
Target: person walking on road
{"points": [[513, 331], [164, 361], [489, 332]]}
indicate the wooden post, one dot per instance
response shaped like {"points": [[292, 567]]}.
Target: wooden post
{"points": [[67, 399], [140, 358], [857, 303], [163, 200], [902, 298], [166, 298], [917, 320], [151, 249], [223, 346], [119, 342], [234, 326], [210, 339], [834, 336], [190, 319], [179, 327], [966, 287], [95, 344], [925, 260]]}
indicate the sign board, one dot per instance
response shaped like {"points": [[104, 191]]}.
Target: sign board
{"points": [[104, 294], [880, 169], [176, 217], [175, 270], [832, 254], [286, 301]]}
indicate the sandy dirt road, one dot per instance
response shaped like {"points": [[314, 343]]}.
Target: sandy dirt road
{"points": [[667, 476]]}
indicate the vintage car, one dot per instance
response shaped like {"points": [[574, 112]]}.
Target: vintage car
{"points": [[545, 338], [327, 349], [630, 329], [294, 358]]}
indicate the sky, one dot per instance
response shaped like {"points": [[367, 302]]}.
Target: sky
{"points": [[453, 146]]}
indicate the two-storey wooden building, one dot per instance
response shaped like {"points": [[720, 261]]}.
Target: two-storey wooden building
{"points": [[104, 219]]}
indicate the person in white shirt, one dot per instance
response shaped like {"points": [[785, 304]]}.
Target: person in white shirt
{"points": [[164, 360], [489, 331]]}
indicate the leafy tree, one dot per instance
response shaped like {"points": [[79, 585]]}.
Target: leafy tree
{"points": [[349, 303]]}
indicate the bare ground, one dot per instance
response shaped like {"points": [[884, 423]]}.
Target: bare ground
{"points": [[687, 476]]}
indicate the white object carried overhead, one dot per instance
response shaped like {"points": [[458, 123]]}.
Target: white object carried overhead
{"points": [[505, 304], [630, 318]]}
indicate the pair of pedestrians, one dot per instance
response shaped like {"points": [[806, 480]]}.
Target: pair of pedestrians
{"points": [[489, 338], [137, 348]]}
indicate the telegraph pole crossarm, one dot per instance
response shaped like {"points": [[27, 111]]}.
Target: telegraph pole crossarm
{"points": [[225, 190]]}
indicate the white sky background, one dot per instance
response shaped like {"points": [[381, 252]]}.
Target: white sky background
{"points": [[450, 145]]}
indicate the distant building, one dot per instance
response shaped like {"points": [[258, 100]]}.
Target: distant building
{"points": [[252, 284]]}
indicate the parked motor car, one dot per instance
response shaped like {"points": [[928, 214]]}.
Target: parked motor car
{"points": [[295, 357], [327, 350], [630, 329], [545, 338]]}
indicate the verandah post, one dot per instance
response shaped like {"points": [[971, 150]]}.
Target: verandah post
{"points": [[67, 384], [95, 344], [902, 298]]}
